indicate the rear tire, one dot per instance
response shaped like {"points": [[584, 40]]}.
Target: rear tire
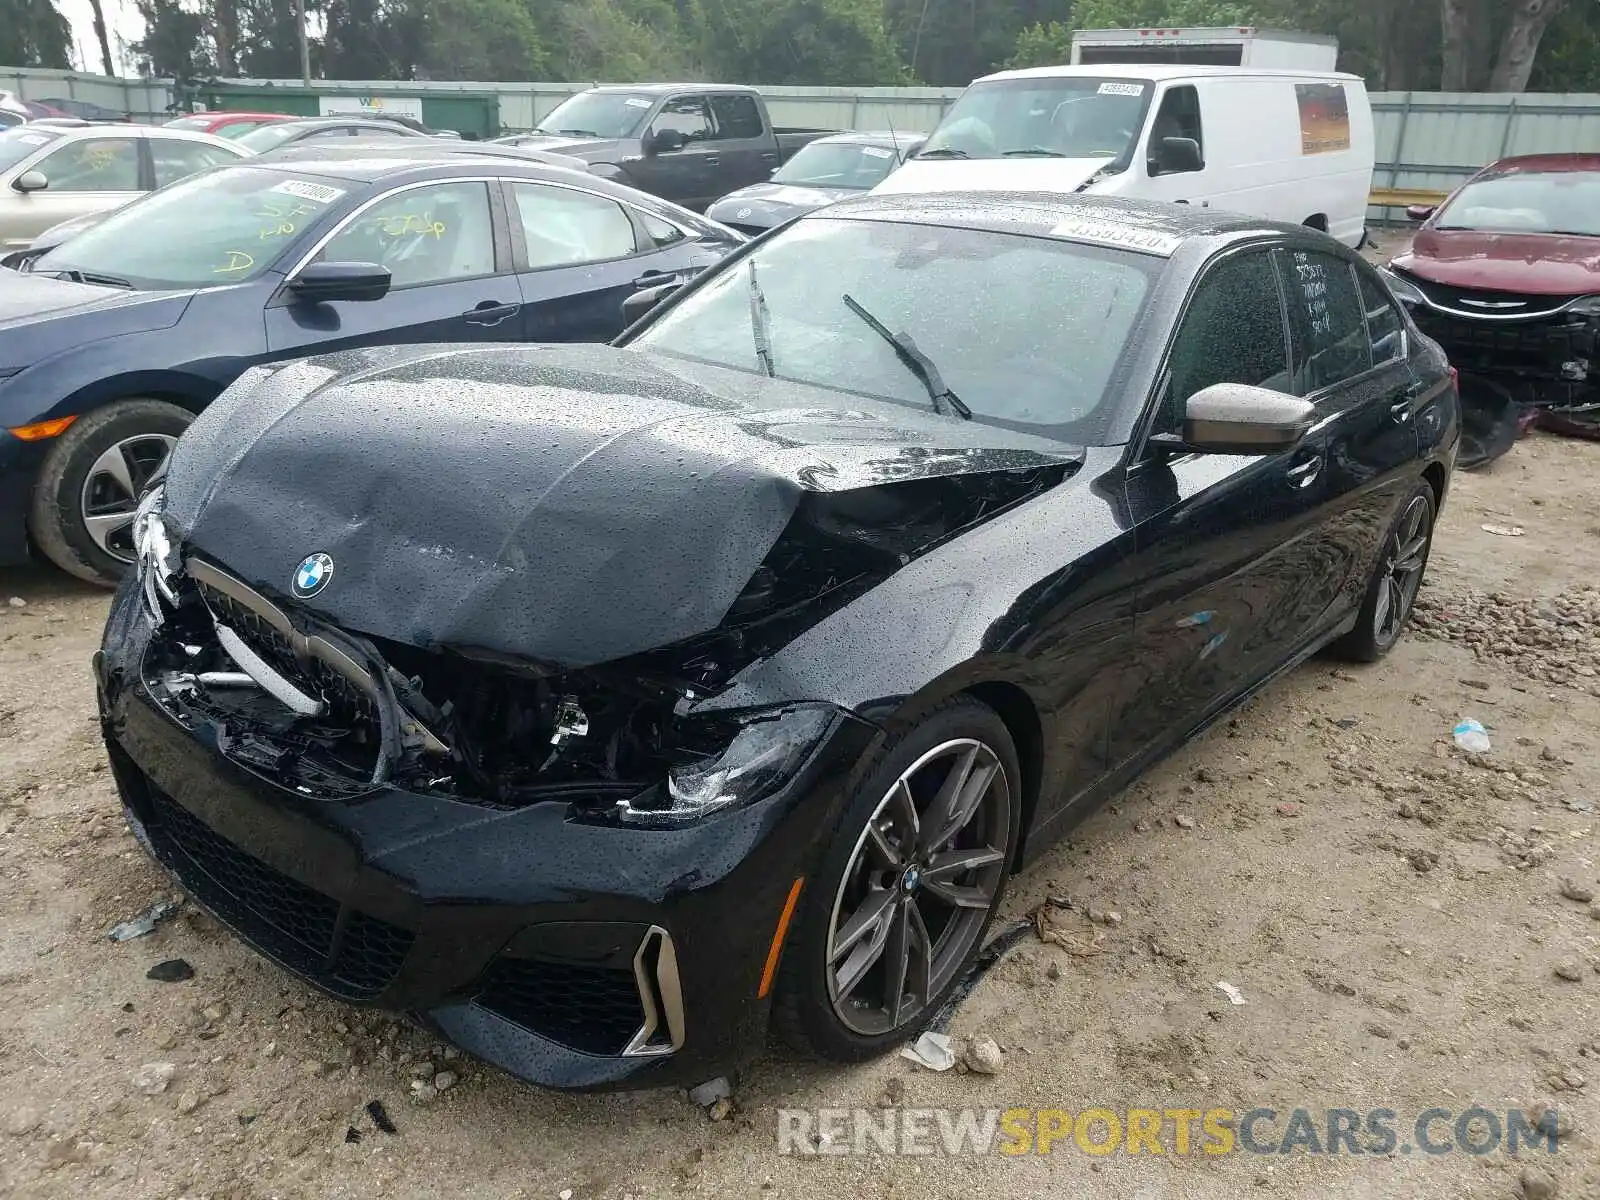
{"points": [[83, 500], [878, 861], [1396, 579]]}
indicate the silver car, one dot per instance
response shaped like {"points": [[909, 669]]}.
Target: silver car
{"points": [[52, 173]]}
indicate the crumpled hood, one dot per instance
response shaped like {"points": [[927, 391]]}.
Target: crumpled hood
{"points": [[41, 316], [567, 504], [920, 175], [1535, 264], [769, 204]]}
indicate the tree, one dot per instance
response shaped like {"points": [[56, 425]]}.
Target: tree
{"points": [[825, 42], [1529, 20], [175, 45], [949, 42], [1047, 44], [99, 14], [34, 34]]}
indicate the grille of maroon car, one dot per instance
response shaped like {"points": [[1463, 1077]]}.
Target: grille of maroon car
{"points": [[1533, 349], [341, 949], [595, 1010], [1489, 303]]}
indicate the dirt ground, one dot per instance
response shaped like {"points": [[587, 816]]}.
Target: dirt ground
{"points": [[1391, 911]]}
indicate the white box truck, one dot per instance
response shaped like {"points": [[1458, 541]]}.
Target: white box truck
{"points": [[1229, 46], [1293, 146]]}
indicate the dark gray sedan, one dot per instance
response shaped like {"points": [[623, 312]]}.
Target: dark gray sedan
{"points": [[829, 169]]}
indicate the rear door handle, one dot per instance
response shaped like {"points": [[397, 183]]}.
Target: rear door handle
{"points": [[490, 313], [713, 162], [769, 156], [1400, 410], [652, 279], [1304, 473]]}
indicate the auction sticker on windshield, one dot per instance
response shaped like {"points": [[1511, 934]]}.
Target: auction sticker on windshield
{"points": [[318, 193], [1122, 89], [636, 102], [1124, 237], [876, 152]]}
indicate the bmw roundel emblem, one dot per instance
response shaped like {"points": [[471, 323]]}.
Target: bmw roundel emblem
{"points": [[312, 575]]}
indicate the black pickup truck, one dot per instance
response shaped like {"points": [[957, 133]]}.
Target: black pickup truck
{"points": [[688, 143]]}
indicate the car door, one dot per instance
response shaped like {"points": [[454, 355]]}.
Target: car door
{"points": [[746, 152], [84, 176], [1223, 543], [1169, 176], [1348, 345], [685, 175], [451, 266], [580, 255]]}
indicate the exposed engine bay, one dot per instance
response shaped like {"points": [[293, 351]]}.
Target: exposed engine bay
{"points": [[335, 713]]}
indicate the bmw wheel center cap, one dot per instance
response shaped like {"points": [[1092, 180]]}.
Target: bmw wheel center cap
{"points": [[312, 575]]}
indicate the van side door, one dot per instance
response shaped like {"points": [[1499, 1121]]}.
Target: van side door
{"points": [[1172, 163]]}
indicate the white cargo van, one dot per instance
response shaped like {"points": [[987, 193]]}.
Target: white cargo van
{"points": [[1292, 146]]}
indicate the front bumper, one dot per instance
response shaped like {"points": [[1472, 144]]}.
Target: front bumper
{"points": [[1548, 361], [19, 467], [573, 955]]}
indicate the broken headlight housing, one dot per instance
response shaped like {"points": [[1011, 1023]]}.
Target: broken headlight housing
{"points": [[156, 563], [768, 751], [1404, 290], [1589, 306]]}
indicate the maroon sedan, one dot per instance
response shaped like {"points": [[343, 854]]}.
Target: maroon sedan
{"points": [[1505, 274]]}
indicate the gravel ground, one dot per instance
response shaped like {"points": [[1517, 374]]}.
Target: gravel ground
{"points": [[1405, 923]]}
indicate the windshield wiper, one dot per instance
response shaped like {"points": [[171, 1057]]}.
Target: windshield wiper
{"points": [[77, 276], [1032, 152], [918, 363], [942, 152], [568, 132], [760, 322]]}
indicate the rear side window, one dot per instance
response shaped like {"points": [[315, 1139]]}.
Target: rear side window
{"points": [[565, 228], [736, 116], [173, 159], [662, 233], [1232, 333], [1383, 319], [1326, 319]]}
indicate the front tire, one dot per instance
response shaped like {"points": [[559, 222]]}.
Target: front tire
{"points": [[83, 501], [916, 869], [1402, 561]]}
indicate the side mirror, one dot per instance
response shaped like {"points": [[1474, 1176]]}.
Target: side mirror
{"points": [[325, 281], [665, 141], [638, 305], [1419, 212], [1235, 418], [31, 181], [1175, 155]]}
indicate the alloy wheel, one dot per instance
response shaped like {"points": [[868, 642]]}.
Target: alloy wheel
{"points": [[112, 486], [1404, 557], [916, 893]]}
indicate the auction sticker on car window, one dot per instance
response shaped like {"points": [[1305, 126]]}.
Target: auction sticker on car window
{"points": [[1122, 89], [636, 102], [33, 139], [877, 152], [1125, 237], [317, 193]]}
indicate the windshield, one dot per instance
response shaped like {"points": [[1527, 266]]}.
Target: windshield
{"points": [[1038, 367], [200, 123], [839, 165], [267, 136], [1532, 202], [1049, 117], [597, 114], [223, 226], [17, 144]]}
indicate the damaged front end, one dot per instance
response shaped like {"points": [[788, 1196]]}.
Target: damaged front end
{"points": [[283, 692]]}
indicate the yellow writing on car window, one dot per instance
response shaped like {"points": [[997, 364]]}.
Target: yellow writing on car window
{"points": [[274, 209], [281, 229], [410, 225], [238, 261], [98, 156]]}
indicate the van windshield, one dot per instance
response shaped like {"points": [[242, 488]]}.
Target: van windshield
{"points": [[1045, 117]]}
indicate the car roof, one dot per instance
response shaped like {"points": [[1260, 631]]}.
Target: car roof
{"points": [[335, 119], [1157, 73], [370, 164], [1552, 163], [230, 114], [413, 150], [73, 133], [1042, 214], [659, 89]]}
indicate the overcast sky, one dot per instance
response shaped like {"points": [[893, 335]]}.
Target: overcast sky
{"points": [[122, 22]]}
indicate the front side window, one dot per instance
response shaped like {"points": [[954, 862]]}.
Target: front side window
{"points": [[224, 226], [1038, 365], [1326, 319], [237, 129], [686, 115], [661, 233], [93, 165], [1232, 332], [1178, 117], [737, 116], [564, 228], [1527, 202], [1042, 118], [174, 160], [422, 235], [269, 137]]}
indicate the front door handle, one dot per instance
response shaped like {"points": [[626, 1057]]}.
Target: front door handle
{"points": [[713, 162], [1304, 473], [490, 313]]}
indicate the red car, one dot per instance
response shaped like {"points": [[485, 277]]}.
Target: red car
{"points": [[1505, 275], [228, 124]]}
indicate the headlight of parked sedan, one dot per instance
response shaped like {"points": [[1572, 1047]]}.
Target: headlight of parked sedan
{"points": [[766, 753], [1404, 290], [1589, 306], [155, 562]]}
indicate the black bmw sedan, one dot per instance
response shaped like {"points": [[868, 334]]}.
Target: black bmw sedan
{"points": [[112, 341], [606, 706]]}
